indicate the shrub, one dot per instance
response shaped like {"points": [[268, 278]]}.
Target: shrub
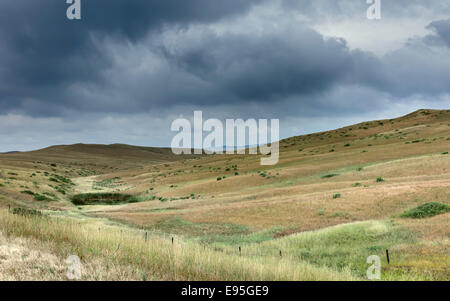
{"points": [[427, 210], [329, 176], [27, 192], [102, 198], [380, 179], [219, 178], [336, 195], [26, 212], [43, 198], [357, 184], [57, 179], [60, 190]]}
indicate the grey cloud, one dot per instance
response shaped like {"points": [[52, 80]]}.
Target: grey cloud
{"points": [[43, 53], [442, 32], [331, 9]]}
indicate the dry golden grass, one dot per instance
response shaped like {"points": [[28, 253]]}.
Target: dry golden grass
{"points": [[130, 255]]}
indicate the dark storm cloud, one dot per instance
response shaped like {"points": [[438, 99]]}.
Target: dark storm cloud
{"points": [[301, 62], [267, 67], [42, 52], [116, 59]]}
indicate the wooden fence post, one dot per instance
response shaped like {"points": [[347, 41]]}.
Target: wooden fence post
{"points": [[387, 256]]}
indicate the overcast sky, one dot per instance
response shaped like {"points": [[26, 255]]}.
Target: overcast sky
{"points": [[128, 68]]}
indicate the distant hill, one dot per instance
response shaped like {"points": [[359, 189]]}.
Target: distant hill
{"points": [[96, 157], [102, 158]]}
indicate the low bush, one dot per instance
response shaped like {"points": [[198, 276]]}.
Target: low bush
{"points": [[27, 192], [26, 212], [102, 199], [427, 210], [329, 176]]}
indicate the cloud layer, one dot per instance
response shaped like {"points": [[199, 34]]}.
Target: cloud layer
{"points": [[155, 60]]}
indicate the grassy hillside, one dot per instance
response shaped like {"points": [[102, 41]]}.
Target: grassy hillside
{"points": [[333, 199]]}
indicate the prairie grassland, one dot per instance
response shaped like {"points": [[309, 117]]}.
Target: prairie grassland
{"points": [[333, 199], [126, 255]]}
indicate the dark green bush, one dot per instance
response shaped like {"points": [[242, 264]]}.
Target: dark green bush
{"points": [[427, 210], [42, 198], [336, 195], [27, 192], [102, 199], [329, 176], [26, 212]]}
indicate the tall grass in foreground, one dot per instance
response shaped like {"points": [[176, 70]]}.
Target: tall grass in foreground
{"points": [[157, 257], [343, 247]]}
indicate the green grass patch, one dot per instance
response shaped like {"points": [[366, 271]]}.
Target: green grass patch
{"points": [[218, 241], [43, 198], [27, 192], [180, 226], [426, 210], [340, 247]]}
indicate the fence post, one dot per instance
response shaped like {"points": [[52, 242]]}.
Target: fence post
{"points": [[387, 256], [240, 251]]}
